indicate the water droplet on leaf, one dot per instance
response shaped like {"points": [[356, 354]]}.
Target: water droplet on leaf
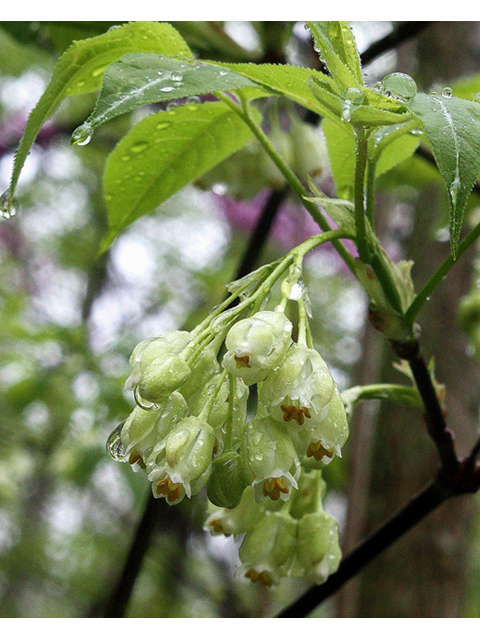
{"points": [[447, 92], [400, 86], [82, 134], [8, 205]]}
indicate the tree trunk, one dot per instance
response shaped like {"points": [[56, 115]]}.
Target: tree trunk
{"points": [[424, 574]]}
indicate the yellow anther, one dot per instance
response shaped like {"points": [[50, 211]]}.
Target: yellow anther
{"points": [[291, 412], [263, 577], [171, 490], [273, 487], [216, 527], [242, 362], [317, 451]]}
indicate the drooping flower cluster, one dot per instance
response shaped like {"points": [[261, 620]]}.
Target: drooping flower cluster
{"points": [[189, 429]]}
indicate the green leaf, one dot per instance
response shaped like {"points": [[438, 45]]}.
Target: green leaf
{"points": [[452, 128], [80, 69], [144, 78], [163, 153], [335, 43], [341, 153], [285, 80], [340, 211]]}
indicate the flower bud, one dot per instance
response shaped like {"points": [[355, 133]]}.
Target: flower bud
{"points": [[298, 392], [227, 482], [203, 369], [268, 550], [162, 376], [147, 350], [309, 149], [270, 461], [326, 440], [256, 345]]}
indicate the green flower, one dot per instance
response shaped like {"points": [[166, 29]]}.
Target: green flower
{"points": [[298, 392], [144, 429], [270, 459], [257, 345], [317, 549], [162, 376], [235, 521], [182, 463], [172, 342], [268, 550]]}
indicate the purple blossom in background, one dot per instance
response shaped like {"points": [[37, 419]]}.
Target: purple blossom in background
{"points": [[292, 225]]}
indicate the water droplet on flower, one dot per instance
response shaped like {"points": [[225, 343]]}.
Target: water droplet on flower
{"points": [[82, 134], [8, 205], [114, 444], [400, 86]]}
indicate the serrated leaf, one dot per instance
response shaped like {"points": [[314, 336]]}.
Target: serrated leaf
{"points": [[80, 69], [334, 41], [452, 128], [163, 153], [145, 78]]}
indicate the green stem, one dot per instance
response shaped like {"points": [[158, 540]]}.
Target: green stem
{"points": [[361, 148], [440, 274], [295, 184]]}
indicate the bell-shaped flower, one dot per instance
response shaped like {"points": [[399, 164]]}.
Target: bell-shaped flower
{"points": [[235, 521], [270, 460], [162, 376], [298, 392], [268, 550], [184, 459], [172, 342], [257, 345], [329, 436], [144, 429], [317, 547]]}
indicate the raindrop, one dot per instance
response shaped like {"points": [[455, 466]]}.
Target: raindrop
{"points": [[167, 89], [352, 98], [193, 100], [177, 76], [447, 92], [400, 86], [8, 205], [138, 147], [114, 444], [82, 134], [144, 404]]}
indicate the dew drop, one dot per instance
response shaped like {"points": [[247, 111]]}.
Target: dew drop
{"points": [[177, 76], [82, 134], [138, 147], [447, 92], [400, 86], [166, 89], [114, 444], [8, 205]]}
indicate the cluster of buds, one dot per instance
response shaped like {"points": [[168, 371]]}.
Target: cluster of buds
{"points": [[261, 470]]}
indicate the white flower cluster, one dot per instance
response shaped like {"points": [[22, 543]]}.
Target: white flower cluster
{"points": [[189, 430]]}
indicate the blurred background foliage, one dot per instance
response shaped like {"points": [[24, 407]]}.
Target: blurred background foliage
{"points": [[68, 323]]}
